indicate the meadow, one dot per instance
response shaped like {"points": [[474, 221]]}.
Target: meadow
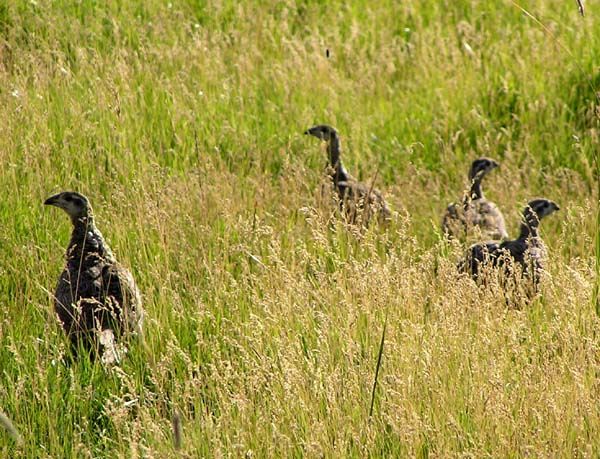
{"points": [[183, 123]]}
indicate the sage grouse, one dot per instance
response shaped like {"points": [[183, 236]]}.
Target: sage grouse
{"points": [[527, 252], [96, 299], [475, 211], [352, 194]]}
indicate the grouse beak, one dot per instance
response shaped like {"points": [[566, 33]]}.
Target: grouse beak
{"points": [[307, 132], [52, 200], [495, 165], [556, 207]]}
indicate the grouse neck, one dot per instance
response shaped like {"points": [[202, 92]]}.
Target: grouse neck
{"points": [[529, 229], [339, 173], [476, 192], [83, 224], [85, 237]]}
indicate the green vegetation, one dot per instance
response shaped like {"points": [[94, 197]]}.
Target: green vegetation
{"points": [[182, 122]]}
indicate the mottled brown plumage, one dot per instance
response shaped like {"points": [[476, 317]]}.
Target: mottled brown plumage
{"points": [[352, 194], [475, 213], [526, 253], [96, 298]]}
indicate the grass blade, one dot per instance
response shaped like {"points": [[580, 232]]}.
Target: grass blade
{"points": [[596, 293], [377, 368]]}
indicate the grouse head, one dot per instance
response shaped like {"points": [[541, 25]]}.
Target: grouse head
{"points": [[482, 166], [74, 204], [322, 131], [541, 207], [538, 209]]}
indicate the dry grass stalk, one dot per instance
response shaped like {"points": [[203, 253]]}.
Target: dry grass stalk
{"points": [[177, 426], [10, 428]]}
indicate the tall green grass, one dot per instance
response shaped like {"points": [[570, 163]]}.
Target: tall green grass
{"points": [[182, 122]]}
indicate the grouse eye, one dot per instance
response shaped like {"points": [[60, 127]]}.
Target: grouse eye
{"points": [[68, 198], [77, 201]]}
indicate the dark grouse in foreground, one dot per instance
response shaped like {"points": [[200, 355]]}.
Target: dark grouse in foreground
{"points": [[96, 298], [528, 251]]}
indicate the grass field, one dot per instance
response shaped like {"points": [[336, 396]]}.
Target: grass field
{"points": [[182, 122]]}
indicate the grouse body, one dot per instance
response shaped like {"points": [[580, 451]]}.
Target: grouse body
{"points": [[96, 299], [527, 252], [352, 194], [475, 211]]}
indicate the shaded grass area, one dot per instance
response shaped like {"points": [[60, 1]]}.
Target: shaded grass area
{"points": [[183, 123]]}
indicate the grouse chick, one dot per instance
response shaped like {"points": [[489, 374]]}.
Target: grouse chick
{"points": [[528, 251], [352, 194], [96, 299], [475, 211]]}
